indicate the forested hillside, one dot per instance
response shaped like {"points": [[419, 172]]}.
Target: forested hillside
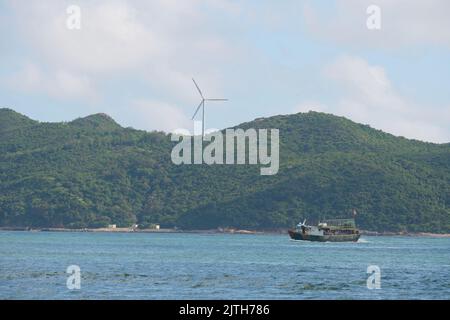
{"points": [[91, 172]]}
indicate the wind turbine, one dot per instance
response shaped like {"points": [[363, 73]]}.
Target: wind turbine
{"points": [[202, 104]]}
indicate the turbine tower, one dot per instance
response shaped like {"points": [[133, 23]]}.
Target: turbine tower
{"points": [[202, 104]]}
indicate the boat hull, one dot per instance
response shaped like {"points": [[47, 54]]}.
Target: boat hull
{"points": [[295, 235]]}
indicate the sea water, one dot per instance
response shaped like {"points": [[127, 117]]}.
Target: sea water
{"points": [[34, 265]]}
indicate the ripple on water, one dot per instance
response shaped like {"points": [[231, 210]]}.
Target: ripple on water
{"points": [[190, 266]]}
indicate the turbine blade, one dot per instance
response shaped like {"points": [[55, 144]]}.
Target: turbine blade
{"points": [[198, 108], [216, 99], [199, 91]]}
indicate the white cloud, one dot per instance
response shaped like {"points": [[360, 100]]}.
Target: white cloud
{"points": [[155, 115], [162, 42], [58, 84], [403, 23], [367, 96]]}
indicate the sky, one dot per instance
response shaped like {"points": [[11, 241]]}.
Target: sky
{"points": [[134, 60]]}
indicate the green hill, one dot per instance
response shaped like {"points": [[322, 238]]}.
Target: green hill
{"points": [[99, 121], [91, 172], [10, 120]]}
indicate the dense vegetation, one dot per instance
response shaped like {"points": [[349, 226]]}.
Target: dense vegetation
{"points": [[91, 172]]}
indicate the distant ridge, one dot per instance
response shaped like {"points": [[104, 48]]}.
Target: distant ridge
{"points": [[99, 121], [10, 120]]}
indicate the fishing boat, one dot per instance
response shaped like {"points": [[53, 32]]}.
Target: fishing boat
{"points": [[334, 230]]}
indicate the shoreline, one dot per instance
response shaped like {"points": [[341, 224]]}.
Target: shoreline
{"points": [[132, 230], [216, 231]]}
